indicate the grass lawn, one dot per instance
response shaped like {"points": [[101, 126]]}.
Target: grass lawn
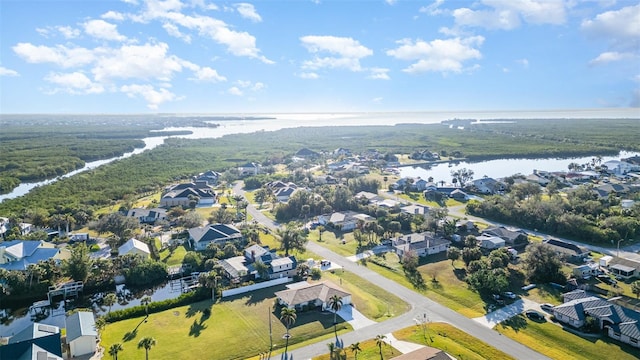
{"points": [[371, 300], [175, 258], [370, 350], [450, 339], [333, 240], [237, 328], [449, 290], [555, 342]]}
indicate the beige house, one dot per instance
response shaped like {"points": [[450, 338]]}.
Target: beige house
{"points": [[305, 294]]}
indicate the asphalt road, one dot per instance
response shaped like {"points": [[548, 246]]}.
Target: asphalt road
{"points": [[420, 306]]}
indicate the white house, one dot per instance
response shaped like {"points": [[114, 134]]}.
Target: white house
{"points": [[490, 242], [422, 244], [135, 247], [249, 169], [82, 335]]}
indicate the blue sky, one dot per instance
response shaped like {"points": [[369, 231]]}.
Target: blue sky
{"points": [[201, 56]]}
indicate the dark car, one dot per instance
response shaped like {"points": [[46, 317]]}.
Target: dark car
{"points": [[534, 315]]}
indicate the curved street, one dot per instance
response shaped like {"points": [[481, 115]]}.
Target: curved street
{"points": [[420, 306]]}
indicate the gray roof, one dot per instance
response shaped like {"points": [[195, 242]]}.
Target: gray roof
{"points": [[81, 323], [234, 266], [34, 331], [630, 329], [215, 232]]}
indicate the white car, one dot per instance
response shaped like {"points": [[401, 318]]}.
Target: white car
{"points": [[547, 307]]}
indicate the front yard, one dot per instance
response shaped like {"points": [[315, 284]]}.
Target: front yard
{"points": [[237, 328], [553, 341]]}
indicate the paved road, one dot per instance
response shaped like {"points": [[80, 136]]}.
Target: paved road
{"points": [[420, 306]]}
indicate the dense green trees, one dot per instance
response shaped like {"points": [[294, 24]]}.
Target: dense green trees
{"points": [[542, 264], [79, 263]]}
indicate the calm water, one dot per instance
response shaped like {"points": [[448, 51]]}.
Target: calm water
{"points": [[502, 167]]}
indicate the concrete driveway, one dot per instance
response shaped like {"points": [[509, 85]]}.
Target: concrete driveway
{"points": [[496, 317]]}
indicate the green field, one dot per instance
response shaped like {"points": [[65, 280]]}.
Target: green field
{"points": [[553, 341], [236, 329]]}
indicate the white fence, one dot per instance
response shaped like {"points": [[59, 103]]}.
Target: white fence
{"points": [[257, 286]]}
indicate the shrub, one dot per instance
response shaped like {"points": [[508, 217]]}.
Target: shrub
{"points": [[157, 306], [316, 273]]}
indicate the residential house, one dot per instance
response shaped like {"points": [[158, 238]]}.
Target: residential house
{"points": [[459, 195], [4, 226], [487, 185], [147, 216], [624, 268], [37, 341], [82, 335], [620, 323], [618, 167], [19, 254], [282, 191], [425, 353], [604, 190], [235, 269], [584, 271], [415, 210], [422, 244], [489, 242], [134, 247], [180, 196], [370, 197], [512, 237], [304, 294], [240, 268], [201, 237], [342, 152], [465, 225], [307, 154], [345, 220], [537, 178], [571, 252], [209, 177], [249, 169]]}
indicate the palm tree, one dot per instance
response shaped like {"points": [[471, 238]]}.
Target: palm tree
{"points": [[109, 300], [115, 349], [147, 343], [335, 303], [355, 349], [145, 301], [288, 317], [380, 342]]}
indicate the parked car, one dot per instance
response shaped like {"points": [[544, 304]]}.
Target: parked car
{"points": [[534, 315], [509, 295], [547, 307], [325, 262]]}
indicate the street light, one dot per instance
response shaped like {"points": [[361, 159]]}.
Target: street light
{"points": [[618, 254]]}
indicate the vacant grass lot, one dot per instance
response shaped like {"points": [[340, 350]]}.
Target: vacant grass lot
{"points": [[450, 339], [337, 241], [174, 258], [236, 329], [449, 290], [555, 342]]}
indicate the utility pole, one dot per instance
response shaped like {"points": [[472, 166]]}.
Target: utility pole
{"points": [[270, 335]]}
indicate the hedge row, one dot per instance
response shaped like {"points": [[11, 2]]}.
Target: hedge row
{"points": [[157, 306]]}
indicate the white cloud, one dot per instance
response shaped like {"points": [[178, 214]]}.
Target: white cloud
{"points": [[113, 15], [523, 62], [248, 11], [508, 14], [207, 74], [377, 99], [153, 97], [174, 31], [433, 9], [348, 51], [238, 43], [149, 61], [620, 27], [308, 75], [8, 72], [258, 86], [68, 32], [391, 2], [235, 91], [74, 83], [103, 30], [379, 74], [60, 55], [246, 84], [439, 55], [610, 56]]}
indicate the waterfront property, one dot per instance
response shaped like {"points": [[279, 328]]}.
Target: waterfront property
{"points": [[37, 341], [134, 247], [19, 254], [82, 335]]}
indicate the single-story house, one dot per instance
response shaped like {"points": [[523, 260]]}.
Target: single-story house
{"points": [[422, 244], [19, 254], [458, 194], [465, 225], [415, 210], [235, 268], [303, 293], [134, 247], [209, 177], [283, 194], [35, 342], [512, 237], [82, 335], [487, 185], [369, 196], [200, 237], [489, 242], [625, 268], [147, 216], [621, 323], [307, 153], [585, 270], [425, 353], [567, 250], [345, 220]]}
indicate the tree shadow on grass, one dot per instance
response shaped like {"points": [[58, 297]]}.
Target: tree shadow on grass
{"points": [[130, 335], [516, 323], [461, 274], [196, 328], [258, 296]]}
